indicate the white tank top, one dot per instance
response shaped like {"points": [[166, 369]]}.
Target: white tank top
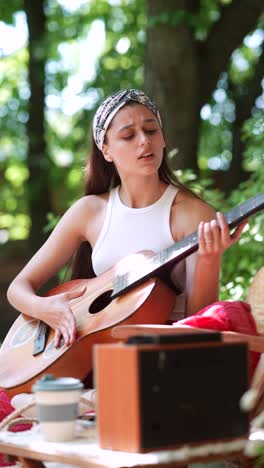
{"points": [[129, 230]]}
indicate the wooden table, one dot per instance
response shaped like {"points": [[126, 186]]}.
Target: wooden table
{"points": [[31, 450], [122, 332]]}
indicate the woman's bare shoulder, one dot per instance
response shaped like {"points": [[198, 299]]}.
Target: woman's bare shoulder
{"points": [[91, 203], [187, 212], [89, 214], [83, 214]]}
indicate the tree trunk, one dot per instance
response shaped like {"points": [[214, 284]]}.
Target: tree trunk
{"points": [[172, 80], [38, 162]]}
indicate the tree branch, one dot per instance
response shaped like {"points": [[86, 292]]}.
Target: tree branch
{"points": [[236, 21]]}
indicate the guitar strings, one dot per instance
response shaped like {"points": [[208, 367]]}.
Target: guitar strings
{"points": [[82, 299], [107, 285]]}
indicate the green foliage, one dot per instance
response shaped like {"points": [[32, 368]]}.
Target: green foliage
{"points": [[221, 113], [253, 131], [13, 105], [52, 220], [242, 65], [199, 20], [66, 132], [242, 260], [117, 69], [7, 10]]}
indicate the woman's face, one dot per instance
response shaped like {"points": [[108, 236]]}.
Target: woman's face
{"points": [[134, 141]]}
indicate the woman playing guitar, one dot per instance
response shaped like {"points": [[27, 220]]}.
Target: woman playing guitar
{"points": [[133, 202]]}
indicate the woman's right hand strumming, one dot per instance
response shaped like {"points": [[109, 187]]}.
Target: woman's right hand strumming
{"points": [[57, 313]]}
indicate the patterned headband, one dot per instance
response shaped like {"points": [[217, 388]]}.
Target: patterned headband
{"points": [[111, 105]]}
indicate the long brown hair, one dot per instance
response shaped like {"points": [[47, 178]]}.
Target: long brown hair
{"points": [[100, 177]]}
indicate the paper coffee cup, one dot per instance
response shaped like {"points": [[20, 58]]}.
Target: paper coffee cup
{"points": [[57, 406]]}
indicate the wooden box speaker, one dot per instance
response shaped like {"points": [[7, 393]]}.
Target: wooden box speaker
{"points": [[162, 395]]}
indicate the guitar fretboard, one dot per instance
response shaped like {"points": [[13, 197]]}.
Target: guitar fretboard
{"points": [[181, 249]]}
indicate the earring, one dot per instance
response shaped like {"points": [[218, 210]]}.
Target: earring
{"points": [[109, 160]]}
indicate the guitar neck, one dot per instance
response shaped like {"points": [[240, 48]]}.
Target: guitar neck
{"points": [[169, 256]]}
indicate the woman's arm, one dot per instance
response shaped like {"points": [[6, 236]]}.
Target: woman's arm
{"points": [[53, 255], [203, 267]]}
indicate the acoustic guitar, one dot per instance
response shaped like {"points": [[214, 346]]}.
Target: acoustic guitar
{"points": [[135, 291]]}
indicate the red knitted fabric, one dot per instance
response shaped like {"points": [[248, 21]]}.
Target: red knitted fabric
{"points": [[5, 409], [226, 316]]}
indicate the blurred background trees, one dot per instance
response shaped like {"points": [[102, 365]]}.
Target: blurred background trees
{"points": [[201, 61]]}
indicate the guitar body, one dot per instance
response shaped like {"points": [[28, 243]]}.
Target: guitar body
{"points": [[95, 314]]}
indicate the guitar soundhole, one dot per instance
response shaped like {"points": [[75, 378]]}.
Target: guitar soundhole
{"points": [[101, 302]]}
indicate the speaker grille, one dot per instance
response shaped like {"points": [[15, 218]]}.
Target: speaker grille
{"points": [[192, 395]]}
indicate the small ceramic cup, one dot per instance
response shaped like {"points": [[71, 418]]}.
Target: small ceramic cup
{"points": [[57, 406]]}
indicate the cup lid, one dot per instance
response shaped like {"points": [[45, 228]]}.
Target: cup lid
{"points": [[49, 382]]}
